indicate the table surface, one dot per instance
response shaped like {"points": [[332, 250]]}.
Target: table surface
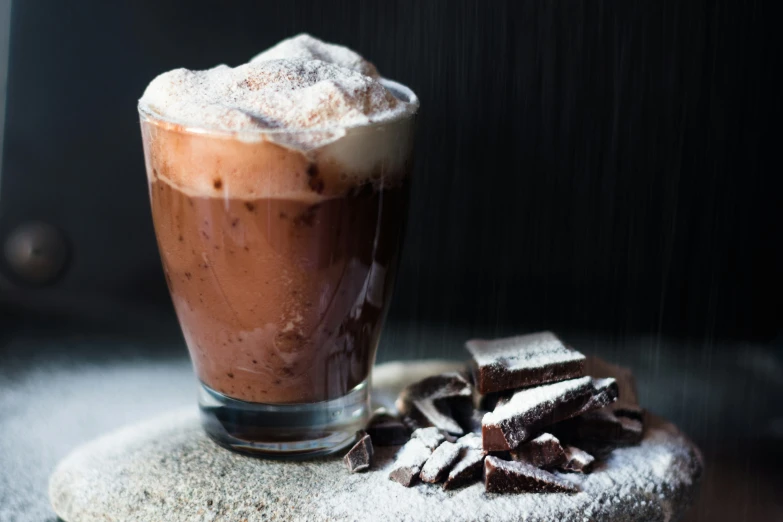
{"points": [[64, 383]]}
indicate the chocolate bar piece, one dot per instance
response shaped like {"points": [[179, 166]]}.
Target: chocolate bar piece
{"points": [[526, 360], [387, 430], [544, 451], [604, 393], [532, 409], [437, 466], [441, 401], [409, 461], [601, 426], [467, 469], [577, 460], [430, 437], [502, 476], [360, 457]]}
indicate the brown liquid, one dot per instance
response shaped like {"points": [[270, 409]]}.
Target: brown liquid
{"points": [[280, 300]]}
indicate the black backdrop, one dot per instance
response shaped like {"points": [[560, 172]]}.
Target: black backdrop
{"points": [[604, 165]]}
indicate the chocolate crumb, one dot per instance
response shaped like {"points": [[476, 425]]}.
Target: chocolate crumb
{"points": [[360, 456]]}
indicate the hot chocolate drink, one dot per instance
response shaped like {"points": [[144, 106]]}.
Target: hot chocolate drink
{"points": [[279, 192]]}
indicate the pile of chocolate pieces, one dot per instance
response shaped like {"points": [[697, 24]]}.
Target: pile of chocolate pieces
{"points": [[527, 407]]}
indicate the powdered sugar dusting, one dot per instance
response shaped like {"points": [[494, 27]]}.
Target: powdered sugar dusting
{"points": [[305, 47], [527, 400], [437, 466], [536, 350]]}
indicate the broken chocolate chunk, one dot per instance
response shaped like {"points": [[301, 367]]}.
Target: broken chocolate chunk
{"points": [[601, 426], [604, 393], [526, 360], [577, 460], [409, 461], [360, 456], [430, 437], [544, 451], [387, 430], [444, 401], [532, 409], [502, 476], [467, 468], [438, 465]]}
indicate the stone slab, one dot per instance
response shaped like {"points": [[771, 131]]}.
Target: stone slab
{"points": [[166, 469]]}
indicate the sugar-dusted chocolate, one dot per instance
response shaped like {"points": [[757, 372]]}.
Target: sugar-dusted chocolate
{"points": [[501, 476], [440, 462], [360, 456], [409, 461], [467, 469], [444, 401], [530, 410], [430, 437], [577, 460], [544, 451], [522, 361]]}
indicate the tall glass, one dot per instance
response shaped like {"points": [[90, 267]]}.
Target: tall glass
{"points": [[280, 259]]}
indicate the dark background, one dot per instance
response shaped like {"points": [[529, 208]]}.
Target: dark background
{"points": [[600, 165], [607, 169]]}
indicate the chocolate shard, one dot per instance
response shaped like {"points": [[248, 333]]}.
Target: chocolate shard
{"points": [[577, 460], [387, 430], [360, 456], [430, 437], [467, 469], [604, 393], [444, 401], [438, 465], [601, 426], [544, 451], [522, 361], [532, 409], [409, 461], [502, 476]]}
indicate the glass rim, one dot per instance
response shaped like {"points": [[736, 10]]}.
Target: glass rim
{"points": [[400, 91]]}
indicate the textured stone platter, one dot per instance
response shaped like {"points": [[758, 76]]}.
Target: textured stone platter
{"points": [[166, 469]]}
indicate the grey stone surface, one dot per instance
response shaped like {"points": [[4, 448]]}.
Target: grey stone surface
{"points": [[166, 469]]}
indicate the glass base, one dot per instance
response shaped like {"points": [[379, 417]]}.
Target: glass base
{"points": [[285, 431]]}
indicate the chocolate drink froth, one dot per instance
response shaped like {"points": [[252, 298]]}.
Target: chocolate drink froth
{"points": [[282, 297]]}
